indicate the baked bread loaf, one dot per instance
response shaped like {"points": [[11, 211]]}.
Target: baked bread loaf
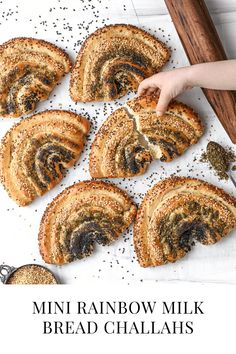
{"points": [[175, 213], [113, 60], [29, 70], [81, 215], [169, 135], [133, 135], [35, 152], [116, 150]]}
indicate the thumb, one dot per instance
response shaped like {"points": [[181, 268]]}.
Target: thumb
{"points": [[144, 85], [162, 103]]}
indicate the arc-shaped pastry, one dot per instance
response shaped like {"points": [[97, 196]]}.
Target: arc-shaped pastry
{"points": [[133, 135], [116, 150], [175, 213], [169, 135], [35, 152], [81, 215], [113, 60], [29, 70]]}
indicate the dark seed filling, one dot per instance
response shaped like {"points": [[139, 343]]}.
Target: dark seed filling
{"points": [[164, 132], [119, 78], [170, 148], [30, 102], [129, 158], [120, 81], [46, 155], [60, 154], [167, 139], [25, 77], [179, 233], [189, 231], [10, 107], [82, 239], [219, 158], [132, 56], [87, 229], [133, 158]]}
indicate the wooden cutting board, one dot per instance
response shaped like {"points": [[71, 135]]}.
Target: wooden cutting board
{"points": [[202, 44]]}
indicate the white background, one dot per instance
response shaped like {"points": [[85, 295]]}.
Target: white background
{"points": [[214, 332]]}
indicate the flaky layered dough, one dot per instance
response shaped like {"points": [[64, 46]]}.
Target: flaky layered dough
{"points": [[113, 60], [29, 70], [133, 135], [169, 135], [86, 213], [175, 213], [35, 152]]}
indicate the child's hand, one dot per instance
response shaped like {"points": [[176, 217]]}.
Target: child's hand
{"points": [[169, 83], [219, 75]]}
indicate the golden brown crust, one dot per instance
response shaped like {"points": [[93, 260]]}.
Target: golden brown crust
{"points": [[116, 150], [19, 42], [85, 213], [174, 213], [30, 69], [147, 104], [113, 60], [169, 135], [35, 152], [132, 135]]}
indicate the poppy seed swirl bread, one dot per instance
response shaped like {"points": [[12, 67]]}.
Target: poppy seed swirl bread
{"points": [[116, 150], [86, 213], [29, 70], [35, 152], [170, 134], [175, 213], [133, 135], [113, 60]]}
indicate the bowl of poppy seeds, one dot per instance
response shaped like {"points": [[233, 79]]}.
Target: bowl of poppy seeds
{"points": [[219, 158], [31, 274]]}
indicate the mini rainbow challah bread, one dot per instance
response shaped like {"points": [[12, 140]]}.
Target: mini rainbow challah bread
{"points": [[35, 152], [113, 60], [175, 213], [29, 70], [86, 213], [133, 135]]}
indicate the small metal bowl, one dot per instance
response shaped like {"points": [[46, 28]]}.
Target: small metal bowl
{"points": [[6, 273]]}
